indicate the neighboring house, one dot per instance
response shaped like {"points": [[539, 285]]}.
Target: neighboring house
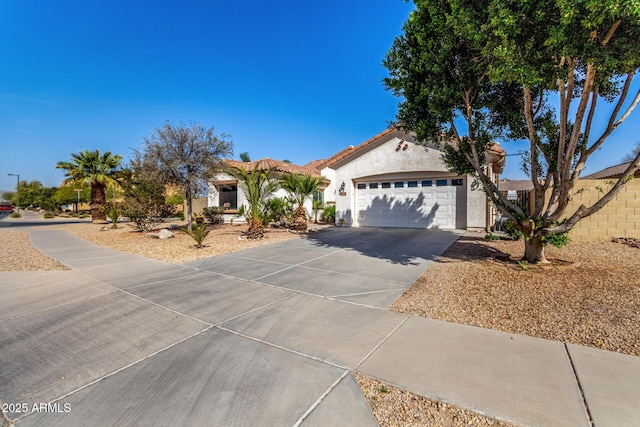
{"points": [[618, 218], [227, 192], [390, 181]]}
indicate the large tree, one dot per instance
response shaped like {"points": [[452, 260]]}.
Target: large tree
{"points": [[187, 156], [470, 72], [95, 170]]}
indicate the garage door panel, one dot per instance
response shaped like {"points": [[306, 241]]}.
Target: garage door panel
{"points": [[421, 207]]}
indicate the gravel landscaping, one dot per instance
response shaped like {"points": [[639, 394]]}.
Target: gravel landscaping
{"points": [[589, 295], [17, 254], [222, 239], [394, 407]]}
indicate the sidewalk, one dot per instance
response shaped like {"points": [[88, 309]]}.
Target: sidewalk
{"points": [[148, 343]]}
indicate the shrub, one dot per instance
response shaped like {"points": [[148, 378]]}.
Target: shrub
{"points": [[214, 214], [49, 215], [329, 213], [114, 214], [198, 232], [16, 215], [180, 215]]}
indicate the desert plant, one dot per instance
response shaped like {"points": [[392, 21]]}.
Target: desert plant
{"points": [[16, 215], [300, 188], [329, 213], [258, 188], [198, 232], [214, 214], [114, 213], [49, 215], [96, 170]]}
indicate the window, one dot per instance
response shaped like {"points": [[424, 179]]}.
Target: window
{"points": [[427, 183], [362, 186], [398, 184], [457, 181], [373, 185], [412, 184], [228, 196], [318, 196], [441, 182], [386, 185]]}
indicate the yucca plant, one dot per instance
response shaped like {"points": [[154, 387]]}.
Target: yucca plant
{"points": [[198, 232]]}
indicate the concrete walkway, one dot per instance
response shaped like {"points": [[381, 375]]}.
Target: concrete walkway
{"points": [[270, 336]]}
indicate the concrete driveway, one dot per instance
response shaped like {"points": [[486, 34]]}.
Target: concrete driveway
{"points": [[271, 336], [368, 266]]}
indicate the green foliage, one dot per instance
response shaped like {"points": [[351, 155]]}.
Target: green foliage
{"points": [[244, 156], [174, 199], [300, 189], [180, 215], [49, 215], [329, 214], [67, 195], [470, 72], [198, 232], [512, 230], [257, 188], [524, 265], [114, 212], [16, 214], [90, 168], [214, 214], [490, 236], [144, 201]]}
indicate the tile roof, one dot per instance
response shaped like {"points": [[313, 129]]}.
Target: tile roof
{"points": [[515, 184], [351, 149], [277, 165], [610, 172]]}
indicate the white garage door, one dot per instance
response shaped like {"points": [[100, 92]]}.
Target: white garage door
{"points": [[421, 203]]}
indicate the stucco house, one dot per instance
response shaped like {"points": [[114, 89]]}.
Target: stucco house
{"points": [[390, 181]]}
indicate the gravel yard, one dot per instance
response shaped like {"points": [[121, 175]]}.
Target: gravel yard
{"points": [[222, 239], [17, 254], [589, 295]]}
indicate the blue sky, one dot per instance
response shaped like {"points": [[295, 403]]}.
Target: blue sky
{"points": [[293, 80]]}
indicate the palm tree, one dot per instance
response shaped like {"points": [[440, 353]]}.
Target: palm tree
{"points": [[257, 187], [300, 188], [95, 170]]}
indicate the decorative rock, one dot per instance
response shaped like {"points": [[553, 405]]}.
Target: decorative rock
{"points": [[165, 234], [105, 228]]}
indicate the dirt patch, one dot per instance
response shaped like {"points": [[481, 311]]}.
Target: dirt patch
{"points": [[589, 295]]}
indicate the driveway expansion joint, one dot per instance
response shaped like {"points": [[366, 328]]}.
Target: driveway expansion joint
{"points": [[583, 398], [319, 400]]}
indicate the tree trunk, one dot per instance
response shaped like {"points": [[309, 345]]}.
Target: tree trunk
{"points": [[98, 200], [534, 250], [300, 223], [256, 229], [189, 209]]}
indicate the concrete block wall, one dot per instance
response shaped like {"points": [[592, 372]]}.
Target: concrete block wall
{"points": [[619, 218]]}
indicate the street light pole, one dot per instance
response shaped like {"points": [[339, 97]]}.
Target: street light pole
{"points": [[17, 190], [78, 190]]}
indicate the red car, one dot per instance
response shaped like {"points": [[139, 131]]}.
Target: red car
{"points": [[6, 208]]}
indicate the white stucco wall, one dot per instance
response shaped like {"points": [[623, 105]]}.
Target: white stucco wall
{"points": [[213, 200], [382, 159]]}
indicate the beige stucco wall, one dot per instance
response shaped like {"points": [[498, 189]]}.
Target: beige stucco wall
{"points": [[619, 218]]}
